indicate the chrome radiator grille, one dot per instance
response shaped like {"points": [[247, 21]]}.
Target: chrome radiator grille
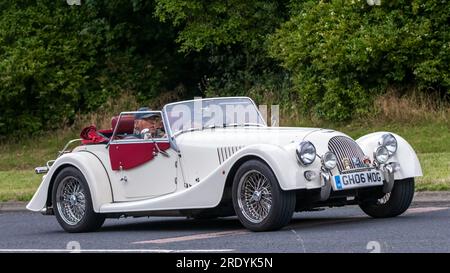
{"points": [[349, 154]]}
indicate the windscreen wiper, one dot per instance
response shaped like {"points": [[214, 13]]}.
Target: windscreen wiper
{"points": [[192, 129], [245, 124], [253, 124]]}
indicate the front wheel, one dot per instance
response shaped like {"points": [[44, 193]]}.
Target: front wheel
{"points": [[391, 204], [72, 202], [258, 200]]}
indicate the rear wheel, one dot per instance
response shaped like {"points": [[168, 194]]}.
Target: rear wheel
{"points": [[72, 202], [258, 200], [391, 204]]}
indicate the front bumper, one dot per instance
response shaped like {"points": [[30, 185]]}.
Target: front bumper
{"points": [[387, 170]]}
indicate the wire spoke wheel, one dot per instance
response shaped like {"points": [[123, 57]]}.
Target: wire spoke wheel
{"points": [[255, 196], [71, 200], [258, 200], [393, 203]]}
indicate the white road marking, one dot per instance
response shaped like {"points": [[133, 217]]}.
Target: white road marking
{"points": [[424, 209], [323, 222], [194, 237], [299, 238], [244, 231], [117, 250], [346, 219]]}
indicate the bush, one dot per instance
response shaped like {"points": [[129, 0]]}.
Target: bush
{"points": [[231, 38], [58, 60], [343, 53], [46, 54]]}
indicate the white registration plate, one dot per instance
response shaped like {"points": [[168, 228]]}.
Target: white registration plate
{"points": [[357, 180]]}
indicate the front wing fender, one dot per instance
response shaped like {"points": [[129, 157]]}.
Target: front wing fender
{"points": [[405, 155], [92, 169]]}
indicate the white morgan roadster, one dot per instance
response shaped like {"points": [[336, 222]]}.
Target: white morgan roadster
{"points": [[218, 158]]}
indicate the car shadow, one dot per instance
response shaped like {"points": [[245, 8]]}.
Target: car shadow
{"points": [[310, 223], [174, 224], [220, 224]]}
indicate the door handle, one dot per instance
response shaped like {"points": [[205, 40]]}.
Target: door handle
{"points": [[124, 177]]}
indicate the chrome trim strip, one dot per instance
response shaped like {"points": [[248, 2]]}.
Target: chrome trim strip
{"points": [[134, 141], [368, 169]]}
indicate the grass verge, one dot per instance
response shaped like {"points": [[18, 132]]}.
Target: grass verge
{"points": [[18, 185], [436, 172]]}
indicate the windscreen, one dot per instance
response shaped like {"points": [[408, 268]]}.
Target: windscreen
{"points": [[208, 113]]}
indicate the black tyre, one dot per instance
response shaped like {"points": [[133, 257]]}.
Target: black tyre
{"points": [[258, 200], [72, 202], [391, 204]]}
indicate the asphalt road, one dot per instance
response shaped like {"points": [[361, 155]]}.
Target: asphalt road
{"points": [[423, 228]]}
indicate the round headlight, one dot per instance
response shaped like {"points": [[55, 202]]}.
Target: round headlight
{"points": [[329, 160], [381, 155], [389, 141], [306, 153]]}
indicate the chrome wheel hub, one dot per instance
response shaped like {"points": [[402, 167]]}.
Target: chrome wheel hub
{"points": [[254, 196], [71, 201]]}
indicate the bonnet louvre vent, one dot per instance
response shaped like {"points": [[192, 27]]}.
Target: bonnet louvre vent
{"points": [[226, 152]]}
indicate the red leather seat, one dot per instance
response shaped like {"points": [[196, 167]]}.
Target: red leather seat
{"points": [[126, 124]]}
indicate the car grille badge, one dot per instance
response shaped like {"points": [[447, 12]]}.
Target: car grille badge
{"points": [[346, 163], [357, 162]]}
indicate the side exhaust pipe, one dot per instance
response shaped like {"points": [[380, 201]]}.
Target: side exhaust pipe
{"points": [[41, 170], [47, 211]]}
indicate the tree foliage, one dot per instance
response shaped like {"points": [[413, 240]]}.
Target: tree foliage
{"points": [[343, 53], [57, 60], [331, 57], [44, 65], [232, 35]]}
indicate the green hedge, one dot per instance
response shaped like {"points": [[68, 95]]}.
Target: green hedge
{"points": [[330, 57], [343, 53], [45, 62], [58, 60]]}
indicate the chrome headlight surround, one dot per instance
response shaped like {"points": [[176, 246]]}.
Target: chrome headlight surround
{"points": [[390, 142], [306, 153], [381, 155], [329, 160]]}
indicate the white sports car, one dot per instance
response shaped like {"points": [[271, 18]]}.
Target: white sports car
{"points": [[217, 157]]}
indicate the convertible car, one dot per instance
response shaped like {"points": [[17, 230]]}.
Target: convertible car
{"points": [[216, 158]]}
